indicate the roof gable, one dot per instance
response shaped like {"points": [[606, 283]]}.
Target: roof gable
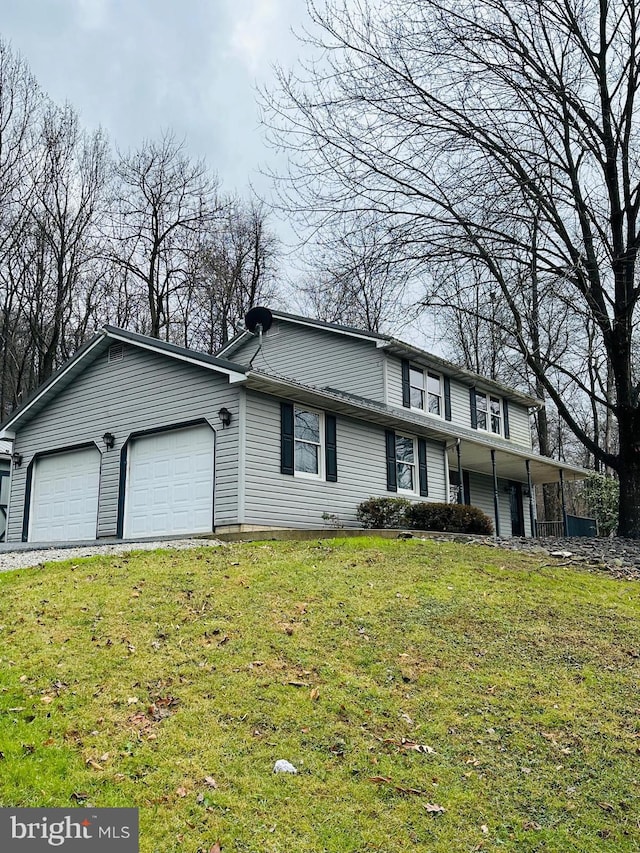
{"points": [[95, 347]]}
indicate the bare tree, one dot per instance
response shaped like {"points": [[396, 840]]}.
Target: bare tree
{"points": [[164, 204], [20, 104], [233, 270], [358, 275], [63, 233], [468, 123]]}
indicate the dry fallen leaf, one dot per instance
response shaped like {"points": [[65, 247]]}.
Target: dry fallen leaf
{"points": [[181, 791], [216, 848], [484, 829], [47, 699], [386, 780], [94, 764], [314, 695], [210, 781], [433, 808], [417, 747]]}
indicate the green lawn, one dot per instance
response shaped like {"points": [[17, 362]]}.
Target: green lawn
{"points": [[396, 676]]}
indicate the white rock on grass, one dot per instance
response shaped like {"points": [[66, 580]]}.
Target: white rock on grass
{"points": [[282, 766]]}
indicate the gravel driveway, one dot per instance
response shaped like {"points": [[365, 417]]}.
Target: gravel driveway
{"points": [[24, 557]]}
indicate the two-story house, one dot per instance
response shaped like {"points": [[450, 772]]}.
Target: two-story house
{"points": [[135, 437]]}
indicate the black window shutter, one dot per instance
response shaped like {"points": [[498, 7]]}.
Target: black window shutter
{"points": [[286, 438], [422, 467], [392, 480], [331, 455], [474, 411], [406, 388], [447, 398], [505, 410]]}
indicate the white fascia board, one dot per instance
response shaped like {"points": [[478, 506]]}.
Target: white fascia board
{"points": [[234, 376], [363, 336], [7, 432], [234, 343]]}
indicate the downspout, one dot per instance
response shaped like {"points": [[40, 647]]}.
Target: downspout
{"points": [[496, 504]]}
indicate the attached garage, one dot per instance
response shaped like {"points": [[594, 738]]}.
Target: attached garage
{"points": [[64, 496], [170, 482]]}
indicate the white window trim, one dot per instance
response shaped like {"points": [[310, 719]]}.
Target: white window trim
{"points": [[425, 391], [414, 465], [488, 397], [308, 475]]}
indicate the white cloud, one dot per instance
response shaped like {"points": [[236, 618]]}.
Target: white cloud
{"points": [[92, 14], [253, 32]]}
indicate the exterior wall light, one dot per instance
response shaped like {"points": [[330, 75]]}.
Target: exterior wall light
{"points": [[16, 458], [225, 417], [109, 440]]}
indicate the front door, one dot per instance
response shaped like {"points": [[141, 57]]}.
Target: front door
{"points": [[517, 514]]}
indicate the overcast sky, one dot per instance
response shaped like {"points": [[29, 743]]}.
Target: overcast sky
{"points": [[137, 67]]}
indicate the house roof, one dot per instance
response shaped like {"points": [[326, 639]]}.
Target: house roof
{"points": [[399, 348], [93, 348]]}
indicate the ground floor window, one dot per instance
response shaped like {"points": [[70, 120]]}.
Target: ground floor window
{"points": [[307, 430], [405, 463]]}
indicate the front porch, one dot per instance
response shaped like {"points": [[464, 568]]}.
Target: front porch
{"points": [[502, 482]]}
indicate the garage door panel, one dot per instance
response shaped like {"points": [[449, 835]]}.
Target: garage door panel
{"points": [[170, 483], [64, 503]]}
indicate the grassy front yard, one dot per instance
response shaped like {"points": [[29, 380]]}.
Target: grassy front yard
{"points": [[396, 676]]}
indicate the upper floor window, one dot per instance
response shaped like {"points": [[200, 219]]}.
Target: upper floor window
{"points": [[488, 412], [426, 391]]}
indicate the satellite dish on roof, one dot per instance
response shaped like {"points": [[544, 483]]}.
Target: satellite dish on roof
{"points": [[258, 316]]}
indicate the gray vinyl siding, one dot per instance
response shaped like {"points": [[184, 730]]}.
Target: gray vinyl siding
{"points": [[519, 425], [481, 489], [394, 381], [315, 357], [460, 405], [143, 391], [272, 498]]}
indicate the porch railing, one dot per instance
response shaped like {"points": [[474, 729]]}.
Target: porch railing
{"points": [[576, 526], [545, 529]]}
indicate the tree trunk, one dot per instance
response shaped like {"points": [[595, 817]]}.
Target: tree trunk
{"points": [[629, 473]]}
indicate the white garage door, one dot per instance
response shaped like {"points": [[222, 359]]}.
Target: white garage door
{"points": [[64, 504], [170, 483]]}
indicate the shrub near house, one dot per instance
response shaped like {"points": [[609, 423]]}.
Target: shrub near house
{"points": [[445, 517]]}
